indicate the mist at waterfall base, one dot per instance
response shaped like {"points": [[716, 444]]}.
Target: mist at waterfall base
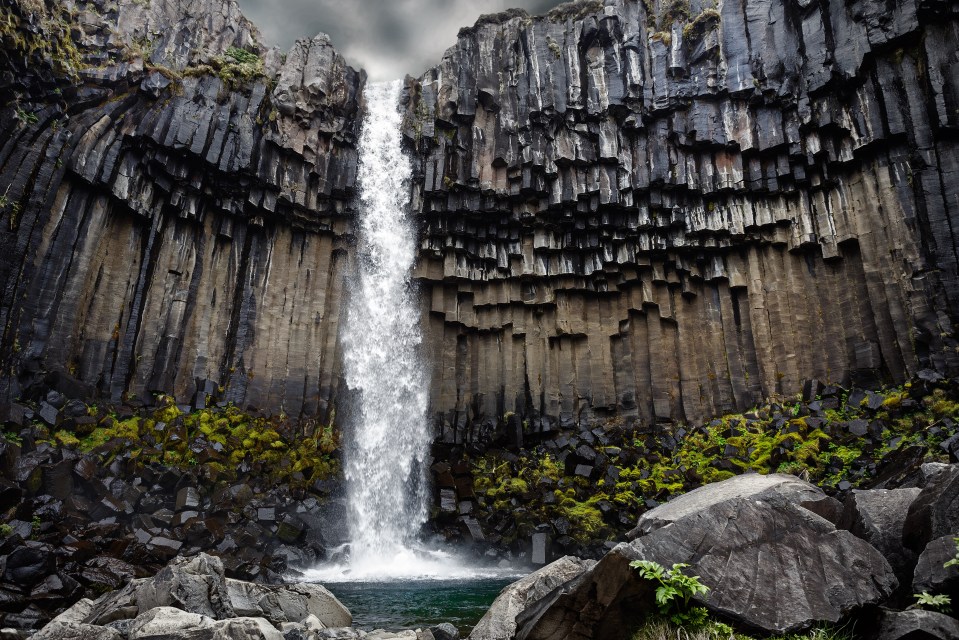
{"points": [[388, 439]]}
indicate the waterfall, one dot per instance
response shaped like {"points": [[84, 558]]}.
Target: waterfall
{"points": [[386, 453]]}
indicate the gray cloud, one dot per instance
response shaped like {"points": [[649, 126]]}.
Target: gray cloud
{"points": [[388, 38]]}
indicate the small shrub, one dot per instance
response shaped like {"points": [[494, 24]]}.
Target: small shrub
{"points": [[674, 592]]}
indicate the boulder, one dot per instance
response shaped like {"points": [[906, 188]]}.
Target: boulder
{"points": [[244, 629], [935, 511], [287, 603], [606, 601], [771, 565], [116, 605], [501, 619], [743, 486], [445, 631], [878, 517], [29, 564], [932, 575], [196, 584], [169, 623], [917, 624], [76, 631]]}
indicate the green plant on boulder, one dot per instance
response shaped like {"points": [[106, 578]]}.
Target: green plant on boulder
{"points": [[926, 600], [674, 591]]}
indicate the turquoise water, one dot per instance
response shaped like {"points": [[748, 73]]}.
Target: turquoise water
{"points": [[412, 604]]}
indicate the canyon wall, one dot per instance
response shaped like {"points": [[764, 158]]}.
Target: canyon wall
{"points": [[668, 210], [172, 218], [648, 210]]}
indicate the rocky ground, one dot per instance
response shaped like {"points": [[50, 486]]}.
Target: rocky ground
{"points": [[92, 497], [778, 555], [578, 491]]}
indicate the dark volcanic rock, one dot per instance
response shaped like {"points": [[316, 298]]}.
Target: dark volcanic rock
{"points": [[613, 220], [770, 565], [935, 511], [917, 625], [878, 517], [525, 594], [931, 574]]}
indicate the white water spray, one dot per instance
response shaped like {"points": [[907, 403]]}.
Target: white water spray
{"points": [[386, 456]]}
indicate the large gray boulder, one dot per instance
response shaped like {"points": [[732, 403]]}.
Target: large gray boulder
{"points": [[167, 623], [75, 631], [751, 485], [287, 603], [500, 621], [196, 584], [878, 517], [935, 511], [932, 575], [607, 602], [770, 563]]}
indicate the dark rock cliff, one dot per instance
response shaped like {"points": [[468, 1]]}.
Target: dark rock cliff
{"points": [[671, 209], [169, 213], [644, 209]]}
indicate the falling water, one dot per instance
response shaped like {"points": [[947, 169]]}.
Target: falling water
{"points": [[386, 455], [390, 439]]}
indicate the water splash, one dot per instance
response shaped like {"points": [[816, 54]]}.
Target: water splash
{"points": [[385, 461]]}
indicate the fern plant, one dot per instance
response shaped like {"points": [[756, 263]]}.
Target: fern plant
{"points": [[938, 602], [674, 592]]}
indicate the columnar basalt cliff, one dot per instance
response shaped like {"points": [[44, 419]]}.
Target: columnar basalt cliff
{"points": [[665, 210], [174, 203], [653, 210]]}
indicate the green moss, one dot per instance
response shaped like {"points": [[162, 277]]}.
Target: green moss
{"points": [[226, 436], [42, 32], [585, 516]]}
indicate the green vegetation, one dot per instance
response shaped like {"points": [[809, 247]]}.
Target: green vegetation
{"points": [[26, 117], [713, 630], [554, 48], [238, 67], [816, 444], [5, 530], [217, 440], [939, 602], [702, 24], [674, 591], [50, 42], [955, 559], [574, 10]]}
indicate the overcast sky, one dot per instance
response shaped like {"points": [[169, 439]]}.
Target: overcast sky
{"points": [[388, 38]]}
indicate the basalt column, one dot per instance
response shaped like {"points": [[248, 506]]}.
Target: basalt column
{"points": [[668, 210]]}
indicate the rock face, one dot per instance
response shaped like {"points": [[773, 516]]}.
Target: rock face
{"points": [[770, 564], [667, 210], [167, 221], [659, 210]]}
